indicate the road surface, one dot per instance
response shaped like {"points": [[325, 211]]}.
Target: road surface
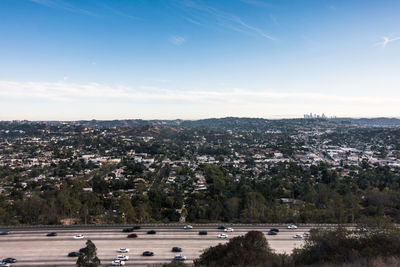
{"points": [[31, 246]]}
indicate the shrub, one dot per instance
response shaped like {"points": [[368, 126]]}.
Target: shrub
{"points": [[251, 249]]}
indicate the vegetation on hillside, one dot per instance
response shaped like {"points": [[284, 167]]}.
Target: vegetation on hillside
{"points": [[323, 247], [217, 170]]}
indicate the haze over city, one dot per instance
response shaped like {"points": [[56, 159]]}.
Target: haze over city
{"points": [[71, 60]]}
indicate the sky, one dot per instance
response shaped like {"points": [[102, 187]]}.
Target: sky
{"points": [[193, 59]]}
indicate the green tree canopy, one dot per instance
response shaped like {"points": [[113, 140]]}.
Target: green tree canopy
{"points": [[89, 256], [251, 249]]}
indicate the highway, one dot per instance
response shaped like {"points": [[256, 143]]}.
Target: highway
{"points": [[31, 246]]}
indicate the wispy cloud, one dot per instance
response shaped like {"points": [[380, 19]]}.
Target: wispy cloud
{"points": [[58, 4], [65, 91], [386, 41], [118, 12], [177, 40], [67, 100], [257, 3], [193, 21], [198, 13], [274, 20]]}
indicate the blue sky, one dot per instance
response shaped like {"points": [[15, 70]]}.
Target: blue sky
{"points": [[190, 59]]}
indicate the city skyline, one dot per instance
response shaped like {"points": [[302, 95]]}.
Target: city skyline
{"points": [[78, 60]]}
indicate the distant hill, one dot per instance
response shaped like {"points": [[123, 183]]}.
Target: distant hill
{"points": [[228, 123], [126, 123], [151, 130], [242, 123], [372, 122]]}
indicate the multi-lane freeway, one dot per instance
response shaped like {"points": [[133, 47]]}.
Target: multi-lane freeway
{"points": [[31, 246]]}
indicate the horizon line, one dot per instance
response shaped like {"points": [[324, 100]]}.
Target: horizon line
{"points": [[207, 118]]}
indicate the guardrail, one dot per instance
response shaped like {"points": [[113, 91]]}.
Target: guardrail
{"points": [[171, 225]]}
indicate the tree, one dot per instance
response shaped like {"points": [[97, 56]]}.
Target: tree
{"points": [[89, 256], [251, 249], [254, 207], [232, 206], [126, 210], [340, 245]]}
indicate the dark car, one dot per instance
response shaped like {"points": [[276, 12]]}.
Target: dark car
{"points": [[132, 236], [176, 249], [4, 233], [151, 232], [275, 230], [10, 260], [272, 233], [221, 227], [202, 232], [73, 254], [52, 234], [82, 250], [136, 227], [127, 230], [148, 253]]}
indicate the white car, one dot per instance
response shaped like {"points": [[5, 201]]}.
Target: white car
{"points": [[298, 236], [79, 236], [123, 250], [5, 264], [117, 263], [228, 229], [122, 257], [222, 236], [292, 226], [180, 257], [187, 227]]}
